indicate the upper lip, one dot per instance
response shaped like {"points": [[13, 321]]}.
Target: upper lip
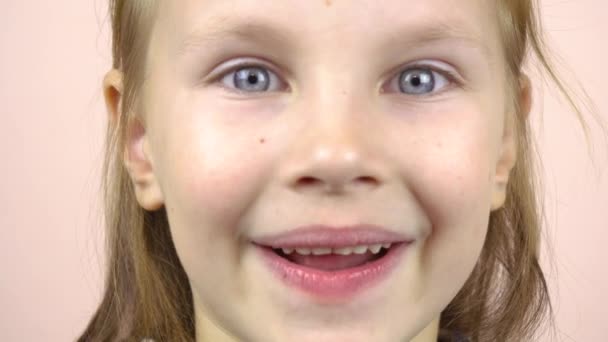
{"points": [[314, 236]]}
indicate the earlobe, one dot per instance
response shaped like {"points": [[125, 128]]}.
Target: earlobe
{"points": [[525, 96], [138, 161], [508, 151], [505, 164], [136, 153]]}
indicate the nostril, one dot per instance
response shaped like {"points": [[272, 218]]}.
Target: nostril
{"points": [[313, 182], [308, 181], [367, 179]]}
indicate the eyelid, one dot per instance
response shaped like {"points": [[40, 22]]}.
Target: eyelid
{"points": [[442, 68], [233, 65], [450, 73]]}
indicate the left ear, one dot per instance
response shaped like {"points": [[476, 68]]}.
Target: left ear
{"points": [[508, 152]]}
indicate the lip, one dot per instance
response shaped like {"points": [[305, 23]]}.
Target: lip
{"points": [[333, 286], [335, 237]]}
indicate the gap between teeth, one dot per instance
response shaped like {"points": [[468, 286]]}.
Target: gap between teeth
{"points": [[375, 249]]}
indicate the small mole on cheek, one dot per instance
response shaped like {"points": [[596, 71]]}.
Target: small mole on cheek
{"points": [[262, 140], [327, 3]]}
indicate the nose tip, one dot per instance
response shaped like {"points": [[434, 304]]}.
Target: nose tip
{"points": [[336, 171]]}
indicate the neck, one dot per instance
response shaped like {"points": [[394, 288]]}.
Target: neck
{"points": [[429, 334]]}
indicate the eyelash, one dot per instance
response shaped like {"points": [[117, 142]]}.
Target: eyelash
{"points": [[453, 80]]}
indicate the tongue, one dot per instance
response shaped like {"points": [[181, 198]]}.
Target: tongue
{"points": [[331, 262]]}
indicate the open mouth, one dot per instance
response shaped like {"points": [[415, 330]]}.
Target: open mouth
{"points": [[333, 264], [333, 273], [333, 259]]}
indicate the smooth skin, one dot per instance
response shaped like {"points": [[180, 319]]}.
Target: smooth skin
{"points": [[332, 138]]}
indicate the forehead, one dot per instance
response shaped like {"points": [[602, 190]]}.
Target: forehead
{"points": [[188, 21]]}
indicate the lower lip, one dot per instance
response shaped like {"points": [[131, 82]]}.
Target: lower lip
{"points": [[333, 285]]}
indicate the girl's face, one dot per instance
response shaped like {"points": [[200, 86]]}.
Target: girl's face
{"points": [[384, 122]]}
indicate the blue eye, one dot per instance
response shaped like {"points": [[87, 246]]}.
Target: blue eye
{"points": [[250, 79], [417, 80], [421, 81]]}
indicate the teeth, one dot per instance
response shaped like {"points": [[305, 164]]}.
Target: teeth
{"points": [[375, 249], [343, 251], [321, 251], [360, 249], [303, 251]]}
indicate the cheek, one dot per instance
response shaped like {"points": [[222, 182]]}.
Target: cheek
{"points": [[457, 202], [450, 148], [213, 175], [457, 178], [453, 186], [451, 152], [210, 173]]}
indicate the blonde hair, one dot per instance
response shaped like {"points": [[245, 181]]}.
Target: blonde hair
{"points": [[147, 292]]}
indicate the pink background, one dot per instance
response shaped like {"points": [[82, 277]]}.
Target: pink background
{"points": [[53, 58]]}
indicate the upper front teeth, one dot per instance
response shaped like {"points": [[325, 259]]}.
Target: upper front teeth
{"points": [[375, 249]]}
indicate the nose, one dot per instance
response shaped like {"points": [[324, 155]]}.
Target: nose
{"points": [[332, 170], [333, 153]]}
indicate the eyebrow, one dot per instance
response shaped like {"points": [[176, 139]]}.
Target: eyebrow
{"points": [[438, 32], [250, 31], [223, 29]]}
